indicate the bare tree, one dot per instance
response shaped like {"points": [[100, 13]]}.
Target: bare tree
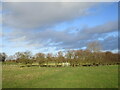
{"points": [[94, 46]]}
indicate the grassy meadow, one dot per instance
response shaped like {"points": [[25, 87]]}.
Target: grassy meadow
{"points": [[60, 77]]}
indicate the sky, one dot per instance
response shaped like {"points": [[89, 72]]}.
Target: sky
{"points": [[49, 27]]}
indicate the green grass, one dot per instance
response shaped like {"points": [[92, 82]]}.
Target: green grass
{"points": [[63, 77]]}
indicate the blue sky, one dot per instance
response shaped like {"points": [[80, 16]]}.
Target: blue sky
{"points": [[50, 27]]}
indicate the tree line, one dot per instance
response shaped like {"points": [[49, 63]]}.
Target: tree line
{"points": [[92, 56]]}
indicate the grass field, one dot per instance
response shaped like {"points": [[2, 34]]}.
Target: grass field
{"points": [[63, 77]]}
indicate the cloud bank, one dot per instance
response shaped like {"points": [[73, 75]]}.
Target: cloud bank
{"points": [[32, 24]]}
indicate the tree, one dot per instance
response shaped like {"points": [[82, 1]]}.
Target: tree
{"points": [[18, 56], [24, 57], [70, 56], [60, 57], [3, 56], [40, 58], [27, 55], [94, 46]]}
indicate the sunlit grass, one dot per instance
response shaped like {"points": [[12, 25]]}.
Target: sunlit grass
{"points": [[60, 77]]}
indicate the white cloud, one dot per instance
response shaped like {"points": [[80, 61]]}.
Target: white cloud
{"points": [[24, 18], [63, 39], [34, 15]]}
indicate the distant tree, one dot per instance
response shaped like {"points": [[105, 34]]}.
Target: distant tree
{"points": [[24, 57], [27, 57], [70, 56], [18, 56], [40, 58], [94, 46], [60, 57]]}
